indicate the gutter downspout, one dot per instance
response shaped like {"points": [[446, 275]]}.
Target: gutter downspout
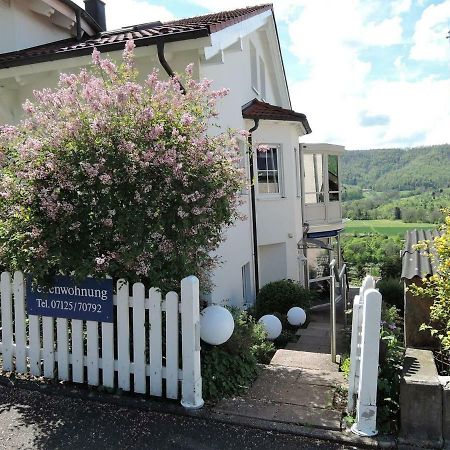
{"points": [[165, 64], [253, 204]]}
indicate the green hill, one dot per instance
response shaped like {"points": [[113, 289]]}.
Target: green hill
{"points": [[420, 168]]}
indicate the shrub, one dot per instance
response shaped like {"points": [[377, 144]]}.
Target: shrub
{"points": [[437, 286], [280, 296], [391, 267], [107, 176], [392, 291], [229, 369]]}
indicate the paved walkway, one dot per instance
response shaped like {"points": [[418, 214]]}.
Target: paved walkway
{"points": [[300, 386]]}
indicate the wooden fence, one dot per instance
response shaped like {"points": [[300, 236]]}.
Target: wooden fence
{"points": [[139, 351], [364, 354]]}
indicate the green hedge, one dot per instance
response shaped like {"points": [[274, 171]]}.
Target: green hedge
{"points": [[280, 296]]}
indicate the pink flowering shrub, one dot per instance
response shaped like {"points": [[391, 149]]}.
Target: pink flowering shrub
{"points": [[106, 176]]}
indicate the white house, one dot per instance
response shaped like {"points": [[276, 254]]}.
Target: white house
{"points": [[293, 209]]}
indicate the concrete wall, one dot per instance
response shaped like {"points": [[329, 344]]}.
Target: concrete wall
{"points": [[417, 312], [424, 402]]}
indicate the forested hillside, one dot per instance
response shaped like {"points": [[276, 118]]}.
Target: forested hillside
{"points": [[421, 168]]}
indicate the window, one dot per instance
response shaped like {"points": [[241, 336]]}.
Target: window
{"points": [[253, 67], [268, 171], [333, 177], [246, 283], [262, 78], [314, 188]]}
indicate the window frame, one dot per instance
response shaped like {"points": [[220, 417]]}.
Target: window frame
{"points": [[326, 193], [279, 172]]}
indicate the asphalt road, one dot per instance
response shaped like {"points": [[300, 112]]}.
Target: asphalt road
{"points": [[33, 420]]}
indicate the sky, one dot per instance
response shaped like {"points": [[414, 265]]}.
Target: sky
{"points": [[367, 73]]}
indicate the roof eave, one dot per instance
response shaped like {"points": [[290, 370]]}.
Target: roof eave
{"points": [[142, 42]]}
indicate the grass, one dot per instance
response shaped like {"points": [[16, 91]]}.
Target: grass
{"points": [[383, 226]]}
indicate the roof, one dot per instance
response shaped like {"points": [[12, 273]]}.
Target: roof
{"points": [[143, 35], [257, 109], [414, 262]]}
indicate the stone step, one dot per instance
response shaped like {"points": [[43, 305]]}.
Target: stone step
{"points": [[304, 360], [314, 332], [312, 348], [281, 412]]}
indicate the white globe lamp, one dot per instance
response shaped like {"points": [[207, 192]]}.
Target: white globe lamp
{"points": [[272, 325], [296, 316], [216, 325]]}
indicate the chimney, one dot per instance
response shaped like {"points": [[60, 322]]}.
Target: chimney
{"points": [[96, 9]]}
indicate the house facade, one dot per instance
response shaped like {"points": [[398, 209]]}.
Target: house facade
{"points": [[293, 211]]}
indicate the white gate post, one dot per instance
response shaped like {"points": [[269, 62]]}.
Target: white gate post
{"points": [[354, 354], [366, 408], [191, 392]]}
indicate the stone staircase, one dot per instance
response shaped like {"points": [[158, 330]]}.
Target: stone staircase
{"points": [[300, 386]]}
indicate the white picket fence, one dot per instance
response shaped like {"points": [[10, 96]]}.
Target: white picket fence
{"points": [[364, 355], [133, 348]]}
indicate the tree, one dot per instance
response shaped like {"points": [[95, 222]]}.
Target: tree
{"points": [[107, 176], [437, 286]]}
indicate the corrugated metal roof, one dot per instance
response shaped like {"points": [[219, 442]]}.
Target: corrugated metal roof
{"points": [[415, 263]]}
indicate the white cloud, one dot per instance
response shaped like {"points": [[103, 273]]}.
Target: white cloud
{"points": [[283, 8], [429, 40], [121, 13], [418, 113], [339, 93], [400, 6]]}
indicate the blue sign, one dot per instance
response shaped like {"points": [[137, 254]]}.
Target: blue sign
{"points": [[90, 299]]}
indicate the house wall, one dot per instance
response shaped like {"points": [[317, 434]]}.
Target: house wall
{"points": [[279, 217], [279, 220], [21, 28]]}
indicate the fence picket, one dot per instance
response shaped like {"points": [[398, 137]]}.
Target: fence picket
{"points": [[172, 345], [92, 353], [48, 337], [123, 335], [139, 338], [108, 354], [20, 331], [62, 347], [77, 351], [7, 324], [35, 345], [155, 343]]}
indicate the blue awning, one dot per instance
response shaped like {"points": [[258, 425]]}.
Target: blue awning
{"points": [[322, 234]]}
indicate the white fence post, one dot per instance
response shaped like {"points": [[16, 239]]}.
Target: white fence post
{"points": [[7, 323], [366, 407], [191, 392], [354, 354]]}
